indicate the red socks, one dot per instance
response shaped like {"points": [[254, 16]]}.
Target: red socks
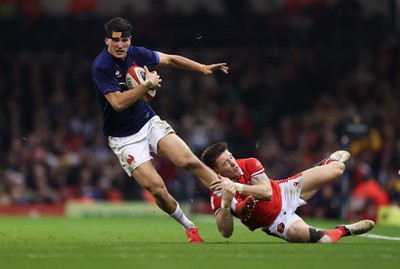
{"points": [[326, 161], [335, 234]]}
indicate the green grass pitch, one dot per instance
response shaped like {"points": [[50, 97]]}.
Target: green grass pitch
{"points": [[159, 242]]}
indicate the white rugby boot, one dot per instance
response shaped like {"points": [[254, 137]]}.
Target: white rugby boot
{"points": [[360, 227], [340, 155]]}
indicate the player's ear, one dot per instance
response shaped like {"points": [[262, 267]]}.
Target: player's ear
{"points": [[106, 40]]}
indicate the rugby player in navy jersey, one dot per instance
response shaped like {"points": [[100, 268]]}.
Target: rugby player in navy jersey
{"points": [[133, 128]]}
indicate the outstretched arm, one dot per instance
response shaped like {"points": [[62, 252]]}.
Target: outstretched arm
{"points": [[180, 62], [223, 216]]}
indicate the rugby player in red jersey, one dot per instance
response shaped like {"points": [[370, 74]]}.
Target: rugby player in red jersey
{"points": [[272, 203]]}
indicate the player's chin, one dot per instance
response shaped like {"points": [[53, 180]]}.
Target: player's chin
{"points": [[119, 55], [236, 174]]}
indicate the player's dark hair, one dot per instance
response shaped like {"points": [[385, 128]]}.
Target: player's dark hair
{"points": [[212, 152], [118, 24]]}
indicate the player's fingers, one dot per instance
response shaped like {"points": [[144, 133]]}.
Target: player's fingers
{"points": [[215, 182]]}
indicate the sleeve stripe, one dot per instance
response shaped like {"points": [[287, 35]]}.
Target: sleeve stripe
{"points": [[258, 172]]}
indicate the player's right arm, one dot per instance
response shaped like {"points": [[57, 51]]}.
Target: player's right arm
{"points": [[122, 100], [223, 215], [224, 221]]}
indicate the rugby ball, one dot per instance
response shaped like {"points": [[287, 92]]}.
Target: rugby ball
{"points": [[136, 76]]}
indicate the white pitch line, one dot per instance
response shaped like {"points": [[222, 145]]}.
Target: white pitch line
{"points": [[380, 237]]}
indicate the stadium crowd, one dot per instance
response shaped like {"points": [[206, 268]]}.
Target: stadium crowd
{"points": [[303, 83]]}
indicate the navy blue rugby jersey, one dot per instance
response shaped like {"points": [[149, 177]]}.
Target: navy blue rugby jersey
{"points": [[108, 75]]}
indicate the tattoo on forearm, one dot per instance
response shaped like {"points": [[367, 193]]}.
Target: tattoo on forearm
{"points": [[260, 178]]}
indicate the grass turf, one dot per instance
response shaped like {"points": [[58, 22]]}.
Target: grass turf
{"points": [[159, 242]]}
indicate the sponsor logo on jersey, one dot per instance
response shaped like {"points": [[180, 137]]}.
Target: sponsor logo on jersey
{"points": [[118, 74]]}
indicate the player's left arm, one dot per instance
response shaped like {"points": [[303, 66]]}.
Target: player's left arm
{"points": [[260, 187], [180, 62]]}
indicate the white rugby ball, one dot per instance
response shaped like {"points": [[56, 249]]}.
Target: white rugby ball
{"points": [[136, 76]]}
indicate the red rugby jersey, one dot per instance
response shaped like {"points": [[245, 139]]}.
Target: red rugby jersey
{"points": [[264, 212]]}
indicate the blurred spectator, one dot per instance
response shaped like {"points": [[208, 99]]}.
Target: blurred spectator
{"points": [[366, 199], [393, 188], [79, 6]]}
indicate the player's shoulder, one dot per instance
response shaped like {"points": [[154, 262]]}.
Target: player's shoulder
{"points": [[142, 56], [250, 164], [134, 49], [138, 49], [250, 161], [103, 60]]}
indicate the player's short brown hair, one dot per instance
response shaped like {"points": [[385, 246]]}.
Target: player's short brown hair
{"points": [[212, 152]]}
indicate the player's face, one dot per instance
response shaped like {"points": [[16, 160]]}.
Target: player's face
{"points": [[118, 47], [227, 166]]}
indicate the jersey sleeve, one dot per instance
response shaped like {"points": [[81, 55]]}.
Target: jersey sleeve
{"points": [[149, 57], [254, 167], [215, 202]]}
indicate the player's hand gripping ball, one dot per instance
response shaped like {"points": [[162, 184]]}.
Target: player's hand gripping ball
{"points": [[136, 76]]}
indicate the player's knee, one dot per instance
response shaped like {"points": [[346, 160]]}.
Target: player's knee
{"points": [[159, 192], [315, 235], [190, 163]]}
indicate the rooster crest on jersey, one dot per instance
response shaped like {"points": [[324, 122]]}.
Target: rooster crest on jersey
{"points": [[136, 76]]}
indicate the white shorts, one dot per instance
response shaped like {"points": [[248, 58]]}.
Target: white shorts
{"points": [[134, 150], [290, 190]]}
